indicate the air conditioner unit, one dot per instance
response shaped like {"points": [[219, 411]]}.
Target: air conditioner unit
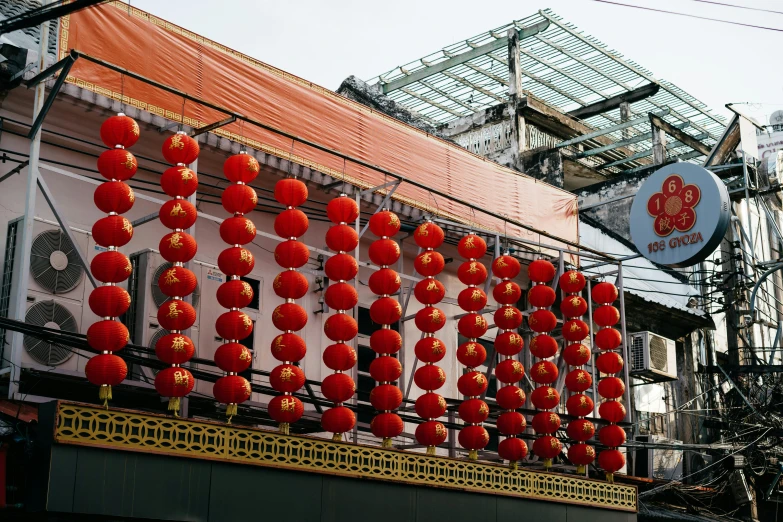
{"points": [[57, 291], [653, 358], [658, 463]]}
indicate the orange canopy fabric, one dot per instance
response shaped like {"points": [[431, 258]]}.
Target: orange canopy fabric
{"points": [[159, 50]]}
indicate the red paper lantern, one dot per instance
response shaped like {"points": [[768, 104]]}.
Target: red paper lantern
{"points": [[545, 398], [111, 267], [235, 293], [241, 168], [177, 281], [508, 318], [119, 130], [239, 199], [339, 296], [177, 247], [576, 354], [430, 319], [544, 372], [612, 436], [289, 317], [472, 247], [509, 371], [385, 397], [233, 325], [237, 261], [431, 433], [573, 306], [428, 235], [117, 164], [289, 347], [340, 327], [611, 460], [180, 214], [575, 330], [429, 291], [472, 384], [338, 420], [342, 238], [505, 267], [608, 339], [580, 430], [237, 230], [469, 299], [509, 343], [233, 357], [386, 425], [180, 148], [341, 267], [183, 182], [339, 357], [106, 370], [542, 321], [114, 196], [473, 411], [473, 437], [429, 263], [384, 252], [578, 380], [385, 369], [385, 310], [611, 388], [430, 349], [543, 346], [288, 378], [384, 282], [429, 377], [507, 293], [510, 398], [581, 455], [606, 315], [472, 273], [547, 447], [107, 336], [471, 325], [512, 449], [609, 362], [511, 423], [430, 406], [176, 314], [291, 223], [385, 341], [471, 354], [572, 282], [175, 348], [579, 405], [541, 271], [174, 381], [541, 296], [291, 192], [109, 301], [611, 411], [112, 231], [384, 223], [546, 422], [604, 293], [285, 409], [337, 387], [342, 209]]}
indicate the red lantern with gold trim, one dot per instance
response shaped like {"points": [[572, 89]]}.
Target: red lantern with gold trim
{"points": [[472, 273], [340, 267], [293, 254], [431, 433], [107, 336], [430, 406], [110, 267], [541, 271], [578, 380], [611, 388], [473, 411], [611, 460], [177, 281], [429, 263], [340, 327], [177, 247], [106, 370], [572, 282], [285, 409], [508, 318], [338, 420], [241, 168], [609, 363], [233, 357], [541, 296], [576, 354], [342, 209], [289, 317], [507, 293], [509, 343], [291, 223], [573, 306], [117, 164], [342, 238], [430, 349], [291, 192], [386, 425], [338, 296], [385, 397], [288, 378], [109, 301], [428, 235], [606, 315], [575, 330], [385, 341], [384, 282], [114, 196], [181, 181], [234, 325], [237, 261], [612, 436], [176, 314], [510, 397], [178, 214], [512, 449], [604, 293], [544, 372], [384, 223], [579, 405], [174, 348], [543, 346], [511, 423], [180, 148], [235, 293], [471, 325], [542, 321], [237, 230], [174, 382], [509, 371], [580, 430], [545, 398], [384, 252], [239, 199], [505, 267], [471, 299], [430, 319], [473, 437], [385, 310], [429, 291], [385, 369], [547, 447], [288, 347], [472, 384], [471, 354], [112, 231], [472, 247], [581, 455], [336, 387], [429, 377], [119, 130], [546, 422], [611, 411], [608, 339]]}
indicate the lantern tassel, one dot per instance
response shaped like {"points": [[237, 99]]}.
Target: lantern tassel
{"points": [[513, 465], [430, 450], [547, 464], [337, 437], [174, 405], [104, 394], [387, 442], [473, 454], [284, 428], [610, 478], [580, 469], [231, 410]]}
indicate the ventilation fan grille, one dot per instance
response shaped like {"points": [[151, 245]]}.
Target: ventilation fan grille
{"points": [[157, 294], [160, 333], [659, 356], [54, 263], [51, 315], [637, 352]]}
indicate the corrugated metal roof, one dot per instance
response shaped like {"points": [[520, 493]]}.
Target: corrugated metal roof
{"points": [[30, 37]]}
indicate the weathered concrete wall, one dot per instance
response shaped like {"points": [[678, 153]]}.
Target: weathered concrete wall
{"points": [[546, 165]]}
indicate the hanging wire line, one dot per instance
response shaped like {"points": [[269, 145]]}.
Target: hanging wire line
{"points": [[690, 15], [738, 6]]}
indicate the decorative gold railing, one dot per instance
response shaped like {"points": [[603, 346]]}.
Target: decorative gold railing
{"points": [[131, 431]]}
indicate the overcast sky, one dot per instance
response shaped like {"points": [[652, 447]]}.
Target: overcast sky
{"points": [[327, 41]]}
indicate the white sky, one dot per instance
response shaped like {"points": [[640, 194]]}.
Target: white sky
{"points": [[327, 41]]}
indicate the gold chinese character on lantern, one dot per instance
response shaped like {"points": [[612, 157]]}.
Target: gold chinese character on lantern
{"points": [[126, 226], [394, 220], [483, 408], [171, 277], [520, 394], [177, 211], [252, 165], [246, 321], [480, 321], [515, 339], [180, 378], [174, 311], [250, 227], [245, 256], [553, 418], [517, 367], [286, 374], [500, 263], [541, 370], [437, 347], [440, 431], [555, 443], [432, 286], [441, 375], [573, 277], [134, 128], [278, 344], [176, 142], [480, 379], [575, 327], [247, 387], [587, 428], [473, 267], [476, 295], [510, 312], [581, 377], [128, 163], [509, 290], [426, 259], [253, 197], [575, 302], [583, 350], [178, 344], [244, 355], [436, 316], [175, 241], [247, 290], [582, 401], [128, 267], [550, 393], [288, 404], [470, 349], [422, 230], [441, 401], [589, 451], [469, 243], [187, 175], [277, 283], [131, 195]]}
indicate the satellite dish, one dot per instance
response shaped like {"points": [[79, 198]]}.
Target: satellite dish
{"points": [[776, 118]]}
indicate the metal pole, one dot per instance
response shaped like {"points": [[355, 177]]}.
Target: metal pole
{"points": [[747, 205], [26, 239], [189, 265], [624, 332], [592, 346]]}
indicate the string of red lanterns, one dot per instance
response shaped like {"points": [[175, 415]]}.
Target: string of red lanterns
{"points": [[508, 343], [611, 388], [472, 384], [429, 292], [573, 306], [177, 247], [342, 297], [544, 372], [288, 347], [385, 342], [108, 301], [233, 326]]}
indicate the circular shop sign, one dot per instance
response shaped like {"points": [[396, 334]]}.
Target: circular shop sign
{"points": [[680, 215]]}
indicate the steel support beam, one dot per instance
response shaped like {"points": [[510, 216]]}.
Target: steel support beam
{"points": [[213, 126], [32, 82], [678, 134], [39, 118], [14, 170], [608, 130], [613, 102], [145, 219]]}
